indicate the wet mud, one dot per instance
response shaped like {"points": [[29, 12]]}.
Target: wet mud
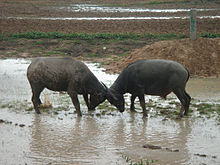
{"points": [[105, 136]]}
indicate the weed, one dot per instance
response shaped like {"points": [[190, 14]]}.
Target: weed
{"points": [[166, 2], [210, 35], [169, 36], [124, 54], [90, 55], [14, 53], [29, 109], [151, 105], [106, 106], [21, 49], [205, 108], [38, 43], [218, 109], [157, 2], [36, 52], [51, 53], [4, 106], [141, 162], [116, 58]]}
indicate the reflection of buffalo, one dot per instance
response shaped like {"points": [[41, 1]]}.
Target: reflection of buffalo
{"points": [[152, 77], [65, 74]]}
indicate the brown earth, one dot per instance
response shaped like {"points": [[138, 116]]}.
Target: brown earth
{"points": [[202, 56]]}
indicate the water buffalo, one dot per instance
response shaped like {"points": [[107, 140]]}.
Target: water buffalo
{"points": [[65, 74], [153, 77]]}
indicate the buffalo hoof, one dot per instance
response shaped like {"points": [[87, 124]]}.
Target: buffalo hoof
{"points": [[179, 117], [79, 114], [91, 109], [132, 109], [145, 116]]}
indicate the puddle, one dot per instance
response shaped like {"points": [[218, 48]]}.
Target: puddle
{"points": [[96, 8], [205, 89], [105, 136], [102, 9], [112, 18]]}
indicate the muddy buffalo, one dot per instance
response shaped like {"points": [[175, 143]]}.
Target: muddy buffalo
{"points": [[152, 77], [65, 74]]}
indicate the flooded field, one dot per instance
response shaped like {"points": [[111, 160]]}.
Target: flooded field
{"points": [[97, 8], [86, 8], [105, 136], [147, 13]]}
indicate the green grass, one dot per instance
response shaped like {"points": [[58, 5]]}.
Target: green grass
{"points": [[36, 52], [165, 2], [207, 110], [85, 36], [4, 106], [209, 35], [70, 36], [91, 55], [153, 2], [14, 53], [21, 49], [124, 54], [157, 2], [38, 43], [116, 59], [52, 53], [99, 36], [106, 106]]}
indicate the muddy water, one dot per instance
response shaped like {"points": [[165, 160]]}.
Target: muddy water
{"points": [[96, 8], [111, 18], [104, 136], [84, 8]]}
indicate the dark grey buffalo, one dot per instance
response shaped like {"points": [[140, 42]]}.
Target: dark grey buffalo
{"points": [[65, 74], [151, 77]]}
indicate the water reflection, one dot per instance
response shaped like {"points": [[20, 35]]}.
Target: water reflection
{"points": [[83, 140], [90, 140]]}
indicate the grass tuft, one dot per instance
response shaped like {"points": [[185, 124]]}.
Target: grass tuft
{"points": [[210, 35]]}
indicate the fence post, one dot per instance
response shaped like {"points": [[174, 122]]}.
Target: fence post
{"points": [[193, 24]]}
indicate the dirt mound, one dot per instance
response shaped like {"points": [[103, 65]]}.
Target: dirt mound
{"points": [[201, 57]]}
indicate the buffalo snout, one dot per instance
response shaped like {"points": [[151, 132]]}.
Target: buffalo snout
{"points": [[91, 108], [121, 109]]}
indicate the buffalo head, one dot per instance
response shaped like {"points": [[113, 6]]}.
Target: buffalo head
{"points": [[116, 99], [98, 97]]}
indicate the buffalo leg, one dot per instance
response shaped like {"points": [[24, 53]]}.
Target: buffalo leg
{"points": [[188, 99], [85, 96], [132, 107], [142, 103], [75, 102], [36, 98], [184, 99]]}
